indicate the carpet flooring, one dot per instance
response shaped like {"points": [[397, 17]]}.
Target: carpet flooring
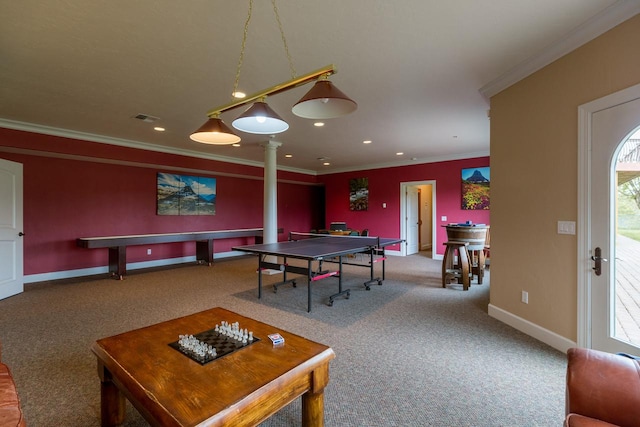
{"points": [[408, 352]]}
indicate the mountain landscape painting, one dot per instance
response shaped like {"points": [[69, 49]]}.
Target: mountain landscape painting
{"points": [[186, 195], [475, 188]]}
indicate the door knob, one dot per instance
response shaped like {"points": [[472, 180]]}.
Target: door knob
{"points": [[597, 259], [21, 234]]}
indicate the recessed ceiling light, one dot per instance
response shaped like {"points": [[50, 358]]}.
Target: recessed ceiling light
{"points": [[288, 156], [326, 163], [399, 153], [235, 145], [368, 141], [318, 124], [159, 129], [238, 94]]}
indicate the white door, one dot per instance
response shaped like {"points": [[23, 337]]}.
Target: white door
{"points": [[11, 244], [412, 221], [615, 324]]}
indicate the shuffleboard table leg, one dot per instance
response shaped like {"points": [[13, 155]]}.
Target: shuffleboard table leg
{"points": [[118, 262]]}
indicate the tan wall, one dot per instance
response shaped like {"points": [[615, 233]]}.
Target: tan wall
{"points": [[534, 164]]}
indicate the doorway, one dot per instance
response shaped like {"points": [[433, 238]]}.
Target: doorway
{"points": [[606, 271], [11, 243], [417, 213]]}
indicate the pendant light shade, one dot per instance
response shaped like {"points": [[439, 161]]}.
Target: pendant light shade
{"points": [[215, 132], [324, 101], [260, 119]]}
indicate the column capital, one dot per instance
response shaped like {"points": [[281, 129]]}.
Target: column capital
{"points": [[271, 144]]}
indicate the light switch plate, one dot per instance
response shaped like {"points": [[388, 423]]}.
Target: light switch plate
{"points": [[566, 227]]}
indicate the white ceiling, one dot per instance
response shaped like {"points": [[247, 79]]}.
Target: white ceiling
{"points": [[421, 71]]}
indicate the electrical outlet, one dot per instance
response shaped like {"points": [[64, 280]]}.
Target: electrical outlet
{"points": [[525, 297], [148, 251]]}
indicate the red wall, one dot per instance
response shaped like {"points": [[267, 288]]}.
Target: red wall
{"points": [[384, 187], [83, 197]]}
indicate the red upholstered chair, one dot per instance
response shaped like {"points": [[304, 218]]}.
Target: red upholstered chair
{"points": [[10, 409], [603, 389]]}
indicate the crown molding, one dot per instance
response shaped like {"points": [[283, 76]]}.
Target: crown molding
{"points": [[83, 136], [610, 17], [412, 162], [66, 133]]}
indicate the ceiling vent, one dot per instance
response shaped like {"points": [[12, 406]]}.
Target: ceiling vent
{"points": [[146, 118]]}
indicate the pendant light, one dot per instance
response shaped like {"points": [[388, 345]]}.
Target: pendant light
{"points": [[324, 101], [260, 119], [215, 132]]}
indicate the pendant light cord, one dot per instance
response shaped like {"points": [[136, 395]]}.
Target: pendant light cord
{"points": [[284, 40], [244, 43]]}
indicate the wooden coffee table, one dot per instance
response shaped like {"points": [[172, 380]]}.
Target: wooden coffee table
{"points": [[242, 388]]}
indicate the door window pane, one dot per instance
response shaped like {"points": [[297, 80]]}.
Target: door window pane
{"points": [[626, 262]]}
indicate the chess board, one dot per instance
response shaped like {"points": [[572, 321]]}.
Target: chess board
{"points": [[224, 345]]}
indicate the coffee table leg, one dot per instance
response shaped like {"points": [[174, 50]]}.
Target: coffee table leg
{"points": [[112, 401], [313, 409], [313, 400]]}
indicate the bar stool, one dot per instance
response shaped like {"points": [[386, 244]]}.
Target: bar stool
{"points": [[460, 269], [479, 254], [477, 263]]}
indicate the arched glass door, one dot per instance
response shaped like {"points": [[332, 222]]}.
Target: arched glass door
{"points": [[615, 229]]}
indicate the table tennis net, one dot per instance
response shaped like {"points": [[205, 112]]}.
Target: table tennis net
{"points": [[368, 240]]}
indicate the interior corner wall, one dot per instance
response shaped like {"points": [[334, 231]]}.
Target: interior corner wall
{"points": [[384, 188], [534, 164], [78, 189]]}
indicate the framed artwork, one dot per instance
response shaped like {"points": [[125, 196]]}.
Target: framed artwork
{"points": [[359, 194], [185, 195], [475, 188]]}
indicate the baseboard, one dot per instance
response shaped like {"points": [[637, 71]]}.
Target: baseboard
{"points": [[70, 274], [546, 336]]}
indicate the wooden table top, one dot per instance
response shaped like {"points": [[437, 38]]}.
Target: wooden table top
{"points": [[170, 388]]}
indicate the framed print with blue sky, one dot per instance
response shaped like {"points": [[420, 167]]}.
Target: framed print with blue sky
{"points": [[186, 195], [475, 188]]}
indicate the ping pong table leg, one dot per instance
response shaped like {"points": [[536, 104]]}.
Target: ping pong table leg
{"points": [[372, 260], [367, 285], [346, 292], [371, 265], [309, 278], [259, 276]]}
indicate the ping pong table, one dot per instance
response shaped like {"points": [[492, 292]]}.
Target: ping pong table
{"points": [[320, 249]]}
